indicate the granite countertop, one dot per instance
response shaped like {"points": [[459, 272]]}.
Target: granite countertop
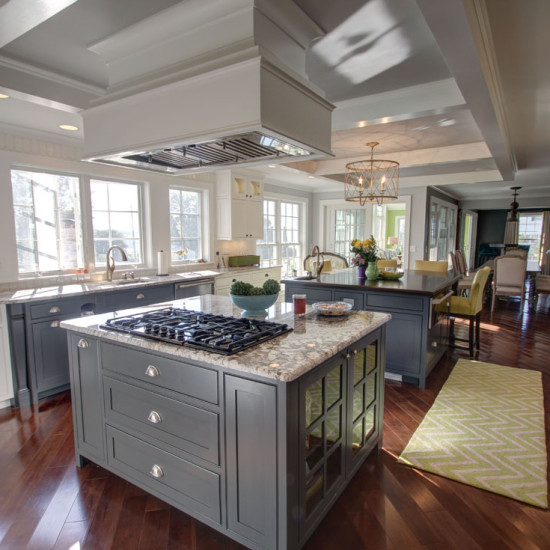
{"points": [[72, 288], [413, 282], [285, 358]]}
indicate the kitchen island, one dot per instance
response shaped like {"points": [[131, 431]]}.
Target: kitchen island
{"points": [[257, 445], [416, 336]]}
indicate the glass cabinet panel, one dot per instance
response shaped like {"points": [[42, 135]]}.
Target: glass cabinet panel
{"points": [[314, 402], [358, 367]]}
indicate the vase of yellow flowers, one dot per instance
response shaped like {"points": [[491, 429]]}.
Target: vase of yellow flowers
{"points": [[365, 258]]}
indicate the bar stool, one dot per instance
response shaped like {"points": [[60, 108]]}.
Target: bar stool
{"points": [[467, 307]]}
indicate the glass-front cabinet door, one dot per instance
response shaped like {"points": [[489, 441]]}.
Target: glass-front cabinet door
{"points": [[341, 407]]}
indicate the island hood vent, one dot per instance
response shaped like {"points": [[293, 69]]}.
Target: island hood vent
{"points": [[244, 149], [209, 84]]}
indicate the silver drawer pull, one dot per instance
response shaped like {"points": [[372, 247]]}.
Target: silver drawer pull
{"points": [[152, 371], [54, 324], [156, 471], [154, 417], [55, 309], [140, 296], [83, 343]]}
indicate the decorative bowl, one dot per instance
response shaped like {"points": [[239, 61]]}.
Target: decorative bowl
{"points": [[334, 309], [390, 274], [254, 306]]}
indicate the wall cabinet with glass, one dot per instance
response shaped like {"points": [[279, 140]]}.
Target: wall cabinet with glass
{"points": [[239, 207]]}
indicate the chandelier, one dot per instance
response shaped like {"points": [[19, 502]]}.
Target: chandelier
{"points": [[511, 231], [371, 180]]}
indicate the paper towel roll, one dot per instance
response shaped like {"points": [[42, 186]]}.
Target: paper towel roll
{"points": [[162, 263]]}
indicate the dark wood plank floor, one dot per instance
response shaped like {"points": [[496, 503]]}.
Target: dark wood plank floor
{"points": [[46, 502]]}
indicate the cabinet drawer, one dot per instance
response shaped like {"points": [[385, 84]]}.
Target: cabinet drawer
{"points": [[356, 299], [185, 483], [178, 376], [65, 308], [183, 426], [259, 278], [315, 294], [382, 300], [137, 297]]}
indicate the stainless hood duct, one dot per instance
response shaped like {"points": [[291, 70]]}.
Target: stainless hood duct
{"points": [[209, 84]]}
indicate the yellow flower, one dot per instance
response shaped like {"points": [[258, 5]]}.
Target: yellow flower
{"points": [[356, 243], [367, 243]]}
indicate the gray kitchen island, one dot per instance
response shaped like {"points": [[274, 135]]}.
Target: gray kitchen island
{"points": [[257, 445], [417, 336]]}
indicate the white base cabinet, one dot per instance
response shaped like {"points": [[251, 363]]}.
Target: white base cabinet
{"points": [[6, 382]]}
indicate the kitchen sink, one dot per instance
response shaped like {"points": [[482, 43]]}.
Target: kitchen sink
{"points": [[305, 278], [131, 281]]}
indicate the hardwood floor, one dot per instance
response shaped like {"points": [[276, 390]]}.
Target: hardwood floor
{"points": [[46, 502]]}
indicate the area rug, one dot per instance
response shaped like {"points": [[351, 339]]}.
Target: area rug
{"points": [[486, 429]]}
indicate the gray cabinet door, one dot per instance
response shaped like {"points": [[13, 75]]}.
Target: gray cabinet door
{"points": [[136, 297], [51, 360], [251, 451], [87, 397]]}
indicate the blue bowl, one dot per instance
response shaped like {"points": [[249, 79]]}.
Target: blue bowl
{"points": [[254, 306]]}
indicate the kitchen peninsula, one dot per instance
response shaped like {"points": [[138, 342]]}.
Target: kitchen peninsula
{"points": [[258, 444], [416, 337]]}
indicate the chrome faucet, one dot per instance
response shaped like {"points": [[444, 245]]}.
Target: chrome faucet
{"points": [[320, 260], [111, 261]]}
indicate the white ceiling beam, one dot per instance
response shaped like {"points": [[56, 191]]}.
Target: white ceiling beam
{"points": [[18, 17], [462, 32]]}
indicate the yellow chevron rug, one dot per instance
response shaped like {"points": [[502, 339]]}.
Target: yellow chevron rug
{"points": [[486, 429]]}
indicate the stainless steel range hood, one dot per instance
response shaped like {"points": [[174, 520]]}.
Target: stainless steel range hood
{"points": [[244, 100]]}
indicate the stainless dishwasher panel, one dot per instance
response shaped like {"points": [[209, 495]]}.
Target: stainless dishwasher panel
{"points": [[194, 288]]}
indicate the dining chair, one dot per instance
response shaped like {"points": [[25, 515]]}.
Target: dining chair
{"points": [[467, 307], [332, 261], [386, 263], [465, 283], [542, 281], [519, 252], [454, 263], [428, 265], [509, 278]]}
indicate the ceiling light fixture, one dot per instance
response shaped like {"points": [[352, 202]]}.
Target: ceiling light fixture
{"points": [[4, 96], [511, 232], [371, 180], [68, 127]]}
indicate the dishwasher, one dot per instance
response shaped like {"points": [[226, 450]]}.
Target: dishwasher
{"points": [[198, 287]]}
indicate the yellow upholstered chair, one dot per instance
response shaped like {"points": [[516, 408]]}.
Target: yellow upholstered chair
{"points": [[509, 279], [383, 264], [467, 307], [440, 267]]}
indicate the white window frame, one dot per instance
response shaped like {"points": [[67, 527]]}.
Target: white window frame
{"points": [[204, 215], [302, 227], [81, 247], [327, 208], [141, 215]]}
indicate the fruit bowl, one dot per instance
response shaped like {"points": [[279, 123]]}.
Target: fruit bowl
{"points": [[390, 274], [333, 309]]}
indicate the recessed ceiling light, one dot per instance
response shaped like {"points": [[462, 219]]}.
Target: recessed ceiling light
{"points": [[446, 122], [311, 177], [68, 127], [4, 96], [271, 166], [361, 124]]}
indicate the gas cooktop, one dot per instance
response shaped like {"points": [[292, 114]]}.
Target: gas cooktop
{"points": [[194, 329]]}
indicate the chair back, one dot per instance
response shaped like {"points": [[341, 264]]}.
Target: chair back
{"points": [[510, 272], [454, 263], [427, 265], [386, 263], [518, 252], [332, 261], [461, 261], [478, 286]]}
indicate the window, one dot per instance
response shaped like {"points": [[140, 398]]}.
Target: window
{"points": [[47, 221], [116, 219], [283, 235], [185, 225], [442, 229], [530, 232], [388, 224]]}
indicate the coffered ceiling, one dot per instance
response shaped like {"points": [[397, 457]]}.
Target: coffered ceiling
{"points": [[457, 91]]}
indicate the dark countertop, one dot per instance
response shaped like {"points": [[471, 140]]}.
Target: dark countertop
{"points": [[413, 282]]}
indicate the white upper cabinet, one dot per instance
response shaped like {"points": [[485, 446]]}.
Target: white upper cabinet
{"points": [[239, 204]]}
